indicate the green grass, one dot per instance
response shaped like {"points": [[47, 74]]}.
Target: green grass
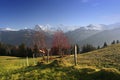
{"points": [[57, 71], [108, 57], [102, 64]]}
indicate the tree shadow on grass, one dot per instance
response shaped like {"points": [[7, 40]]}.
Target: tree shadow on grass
{"points": [[60, 72]]}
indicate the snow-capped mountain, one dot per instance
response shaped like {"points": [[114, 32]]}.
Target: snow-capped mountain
{"points": [[50, 28], [65, 28], [96, 34], [45, 28], [37, 28], [53, 28], [7, 29], [95, 27]]}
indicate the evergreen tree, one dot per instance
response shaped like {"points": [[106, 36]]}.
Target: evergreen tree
{"points": [[30, 52], [105, 45], [19, 51], [87, 48], [113, 42], [117, 41], [2, 49], [78, 49], [14, 51], [98, 47], [22, 50]]}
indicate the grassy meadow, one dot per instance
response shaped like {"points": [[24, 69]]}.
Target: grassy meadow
{"points": [[102, 64]]}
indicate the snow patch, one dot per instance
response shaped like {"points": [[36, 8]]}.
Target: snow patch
{"points": [[7, 29]]}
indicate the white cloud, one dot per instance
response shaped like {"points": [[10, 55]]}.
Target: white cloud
{"points": [[70, 28], [94, 27]]}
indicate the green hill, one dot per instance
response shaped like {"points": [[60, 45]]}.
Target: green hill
{"points": [[108, 57], [102, 64]]}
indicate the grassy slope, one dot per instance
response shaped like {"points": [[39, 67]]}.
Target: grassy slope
{"points": [[108, 57], [102, 64]]}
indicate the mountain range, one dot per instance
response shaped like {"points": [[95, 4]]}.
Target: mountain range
{"points": [[91, 34]]}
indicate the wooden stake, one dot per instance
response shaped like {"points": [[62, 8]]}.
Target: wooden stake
{"points": [[48, 55], [34, 59], [75, 55], [27, 61]]}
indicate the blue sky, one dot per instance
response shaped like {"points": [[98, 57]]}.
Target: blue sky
{"points": [[27, 13]]}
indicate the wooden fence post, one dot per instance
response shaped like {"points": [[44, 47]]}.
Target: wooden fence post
{"points": [[48, 55], [27, 61], [75, 55]]}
